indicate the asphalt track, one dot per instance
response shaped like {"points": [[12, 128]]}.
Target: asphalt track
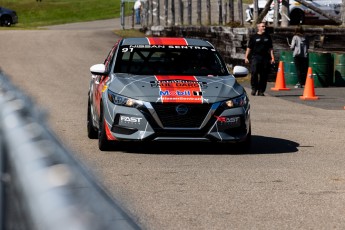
{"points": [[293, 178], [329, 98]]}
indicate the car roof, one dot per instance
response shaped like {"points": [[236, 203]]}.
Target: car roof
{"points": [[166, 41]]}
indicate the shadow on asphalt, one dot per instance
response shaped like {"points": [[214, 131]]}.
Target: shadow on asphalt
{"points": [[260, 145]]}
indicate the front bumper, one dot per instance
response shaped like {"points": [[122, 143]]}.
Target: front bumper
{"points": [[149, 124]]}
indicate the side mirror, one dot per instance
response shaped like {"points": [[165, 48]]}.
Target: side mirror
{"points": [[240, 71], [98, 69]]}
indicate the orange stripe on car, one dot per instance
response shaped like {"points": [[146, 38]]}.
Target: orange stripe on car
{"points": [[167, 41], [108, 132]]}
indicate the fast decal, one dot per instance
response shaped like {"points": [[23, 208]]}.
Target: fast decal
{"points": [[129, 119], [230, 121], [174, 93]]}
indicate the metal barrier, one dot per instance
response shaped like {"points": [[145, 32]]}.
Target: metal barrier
{"points": [[43, 187]]}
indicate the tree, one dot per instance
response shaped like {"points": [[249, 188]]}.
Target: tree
{"points": [[285, 13], [343, 13], [263, 13]]}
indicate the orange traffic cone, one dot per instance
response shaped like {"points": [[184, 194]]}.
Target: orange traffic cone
{"points": [[309, 90], [280, 80]]}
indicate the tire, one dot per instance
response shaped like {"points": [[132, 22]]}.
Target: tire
{"points": [[6, 21], [103, 142], [246, 145], [92, 132], [296, 17]]}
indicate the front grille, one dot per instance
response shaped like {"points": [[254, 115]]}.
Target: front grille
{"points": [[171, 119]]}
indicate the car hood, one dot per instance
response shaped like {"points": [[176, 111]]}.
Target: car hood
{"points": [[176, 89]]}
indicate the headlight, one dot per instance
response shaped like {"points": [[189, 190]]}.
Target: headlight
{"points": [[236, 102], [122, 100]]}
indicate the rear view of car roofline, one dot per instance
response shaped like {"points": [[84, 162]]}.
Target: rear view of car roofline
{"points": [[166, 41]]}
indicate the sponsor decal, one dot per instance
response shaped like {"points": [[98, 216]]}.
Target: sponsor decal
{"points": [[174, 93], [131, 48], [229, 121], [178, 83], [197, 93], [170, 89], [130, 119], [179, 93]]}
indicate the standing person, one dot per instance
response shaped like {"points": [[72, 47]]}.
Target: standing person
{"points": [[300, 46], [260, 52], [137, 8]]}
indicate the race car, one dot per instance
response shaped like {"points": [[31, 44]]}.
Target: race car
{"points": [[152, 89]]}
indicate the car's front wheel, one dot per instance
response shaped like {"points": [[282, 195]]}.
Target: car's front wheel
{"points": [[91, 131], [6, 21], [246, 145], [103, 142]]}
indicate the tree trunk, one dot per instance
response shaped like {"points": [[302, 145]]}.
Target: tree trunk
{"points": [[208, 8], [158, 13], [343, 13], [276, 13], [173, 12], [240, 11], [189, 12], [166, 11], [220, 17], [231, 10], [285, 13], [198, 19], [255, 11], [263, 13]]}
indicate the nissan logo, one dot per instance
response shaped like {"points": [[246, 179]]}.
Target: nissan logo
{"points": [[181, 109]]}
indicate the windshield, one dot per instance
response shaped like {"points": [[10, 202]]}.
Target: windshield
{"points": [[171, 60]]}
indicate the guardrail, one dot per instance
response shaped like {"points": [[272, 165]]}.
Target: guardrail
{"points": [[43, 187]]}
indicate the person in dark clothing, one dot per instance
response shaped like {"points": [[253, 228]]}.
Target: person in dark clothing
{"points": [[260, 52], [300, 46]]}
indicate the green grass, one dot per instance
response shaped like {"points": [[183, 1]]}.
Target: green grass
{"points": [[33, 14], [129, 33]]}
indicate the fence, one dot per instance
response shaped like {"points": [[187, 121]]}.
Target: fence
{"points": [[185, 12]]}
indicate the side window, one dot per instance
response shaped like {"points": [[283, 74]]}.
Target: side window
{"points": [[133, 61], [137, 64], [111, 55]]}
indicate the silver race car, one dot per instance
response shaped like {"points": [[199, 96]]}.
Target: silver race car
{"points": [[166, 89]]}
